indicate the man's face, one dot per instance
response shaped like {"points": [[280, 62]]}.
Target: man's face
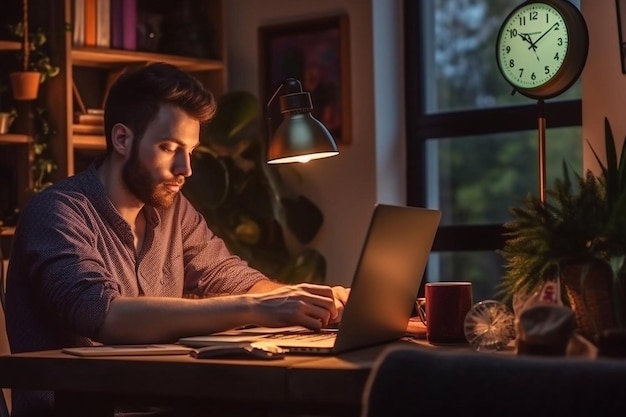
{"points": [[159, 162]]}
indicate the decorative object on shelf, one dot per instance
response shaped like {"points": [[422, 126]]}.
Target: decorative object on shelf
{"points": [[6, 116], [248, 202], [300, 136], [578, 235], [317, 52], [35, 63], [489, 325], [620, 6], [541, 50], [6, 119]]}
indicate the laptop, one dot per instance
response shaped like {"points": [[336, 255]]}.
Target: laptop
{"points": [[383, 291]]}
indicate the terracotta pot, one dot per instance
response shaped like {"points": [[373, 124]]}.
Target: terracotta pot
{"points": [[6, 119], [25, 84], [591, 297]]}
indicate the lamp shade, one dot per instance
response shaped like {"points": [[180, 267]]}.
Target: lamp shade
{"points": [[300, 137]]}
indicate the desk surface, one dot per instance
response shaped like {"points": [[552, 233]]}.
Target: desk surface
{"points": [[332, 385]]}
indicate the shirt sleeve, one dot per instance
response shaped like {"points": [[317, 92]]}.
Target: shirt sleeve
{"points": [[210, 267], [64, 267]]}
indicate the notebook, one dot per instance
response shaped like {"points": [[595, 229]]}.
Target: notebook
{"points": [[383, 291]]}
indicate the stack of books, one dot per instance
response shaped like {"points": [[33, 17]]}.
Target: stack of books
{"points": [[90, 122]]}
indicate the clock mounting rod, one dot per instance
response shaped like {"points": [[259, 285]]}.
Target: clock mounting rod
{"points": [[541, 147]]}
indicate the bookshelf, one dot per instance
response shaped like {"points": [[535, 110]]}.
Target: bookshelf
{"points": [[89, 68]]}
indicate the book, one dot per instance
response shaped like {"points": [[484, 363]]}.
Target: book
{"points": [[129, 25], [117, 32], [78, 31], [88, 129], [89, 119], [90, 22], [103, 23], [128, 350]]}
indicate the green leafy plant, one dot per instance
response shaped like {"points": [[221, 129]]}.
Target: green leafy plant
{"points": [[581, 222], [246, 202], [43, 164], [34, 56]]}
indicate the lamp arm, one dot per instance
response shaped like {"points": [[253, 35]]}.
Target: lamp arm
{"points": [[268, 117]]}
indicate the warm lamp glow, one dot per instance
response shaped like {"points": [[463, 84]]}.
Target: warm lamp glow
{"points": [[300, 137]]}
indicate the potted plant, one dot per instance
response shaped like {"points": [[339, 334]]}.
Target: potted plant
{"points": [[577, 236], [35, 63], [6, 116], [246, 202]]}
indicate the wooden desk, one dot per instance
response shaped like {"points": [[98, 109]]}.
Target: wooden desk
{"points": [[329, 386]]}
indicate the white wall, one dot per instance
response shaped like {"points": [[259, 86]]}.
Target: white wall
{"points": [[369, 170], [604, 85]]}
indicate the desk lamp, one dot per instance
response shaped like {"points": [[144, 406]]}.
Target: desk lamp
{"points": [[300, 137]]}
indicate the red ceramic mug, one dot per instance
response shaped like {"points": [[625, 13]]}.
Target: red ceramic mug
{"points": [[447, 304]]}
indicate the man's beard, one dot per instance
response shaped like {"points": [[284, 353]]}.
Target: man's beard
{"points": [[137, 177]]}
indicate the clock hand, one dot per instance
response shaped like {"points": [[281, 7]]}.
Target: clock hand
{"points": [[526, 37], [534, 44]]}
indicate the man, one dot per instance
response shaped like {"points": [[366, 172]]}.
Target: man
{"points": [[117, 255]]}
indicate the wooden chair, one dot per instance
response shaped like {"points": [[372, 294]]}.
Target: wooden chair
{"points": [[432, 382]]}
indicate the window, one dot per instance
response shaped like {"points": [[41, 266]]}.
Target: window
{"points": [[471, 143]]}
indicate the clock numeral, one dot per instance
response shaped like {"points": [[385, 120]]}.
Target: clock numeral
{"points": [[546, 70], [512, 33], [547, 18], [533, 76], [511, 63], [521, 72], [556, 26], [559, 41], [556, 56], [522, 20], [534, 15], [508, 49]]}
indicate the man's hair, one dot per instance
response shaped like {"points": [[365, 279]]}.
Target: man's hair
{"points": [[135, 98]]}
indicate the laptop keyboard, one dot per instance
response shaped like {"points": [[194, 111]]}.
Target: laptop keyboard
{"points": [[304, 335]]}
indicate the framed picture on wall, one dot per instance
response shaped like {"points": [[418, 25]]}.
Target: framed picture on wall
{"points": [[316, 52], [621, 31]]}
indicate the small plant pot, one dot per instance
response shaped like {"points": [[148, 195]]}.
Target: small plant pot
{"points": [[6, 119], [25, 84]]}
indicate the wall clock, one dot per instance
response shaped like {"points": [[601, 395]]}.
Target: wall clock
{"points": [[542, 47]]}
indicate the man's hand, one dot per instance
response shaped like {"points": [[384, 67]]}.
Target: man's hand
{"points": [[341, 295], [308, 305]]}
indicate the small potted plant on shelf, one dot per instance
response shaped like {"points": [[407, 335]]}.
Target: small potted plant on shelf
{"points": [[578, 237], [35, 63], [6, 116]]}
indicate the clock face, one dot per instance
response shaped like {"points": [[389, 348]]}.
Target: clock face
{"points": [[532, 45]]}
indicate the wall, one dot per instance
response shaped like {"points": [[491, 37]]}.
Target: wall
{"points": [[371, 169], [604, 85]]}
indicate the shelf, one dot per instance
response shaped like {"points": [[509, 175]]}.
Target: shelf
{"points": [[110, 58], [10, 46], [7, 231], [89, 142], [11, 139]]}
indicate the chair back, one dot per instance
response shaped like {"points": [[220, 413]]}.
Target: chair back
{"points": [[431, 382]]}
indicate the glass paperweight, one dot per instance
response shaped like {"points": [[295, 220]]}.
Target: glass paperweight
{"points": [[489, 325]]}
